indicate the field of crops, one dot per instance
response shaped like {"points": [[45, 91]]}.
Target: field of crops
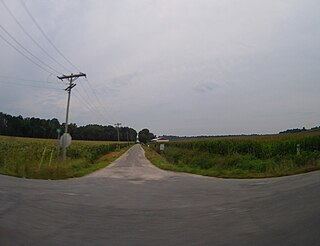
{"points": [[242, 157], [37, 158]]}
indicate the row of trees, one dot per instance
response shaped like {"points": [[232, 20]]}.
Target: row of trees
{"points": [[41, 128]]}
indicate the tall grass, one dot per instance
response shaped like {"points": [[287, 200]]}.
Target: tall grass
{"points": [[246, 157], [37, 158]]}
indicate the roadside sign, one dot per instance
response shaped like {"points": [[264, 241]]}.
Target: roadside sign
{"points": [[65, 140], [58, 130], [162, 147]]}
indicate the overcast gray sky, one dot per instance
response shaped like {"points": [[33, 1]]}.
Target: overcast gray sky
{"points": [[183, 67]]}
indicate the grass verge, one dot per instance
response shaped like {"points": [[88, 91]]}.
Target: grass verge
{"points": [[100, 163]]}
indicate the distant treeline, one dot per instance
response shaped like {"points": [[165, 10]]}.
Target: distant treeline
{"points": [[42, 128], [295, 130], [174, 138]]}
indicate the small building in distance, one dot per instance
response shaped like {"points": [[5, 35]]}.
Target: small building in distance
{"points": [[160, 140]]}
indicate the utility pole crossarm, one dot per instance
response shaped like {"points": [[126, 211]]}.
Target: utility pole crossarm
{"points": [[70, 87], [72, 76]]}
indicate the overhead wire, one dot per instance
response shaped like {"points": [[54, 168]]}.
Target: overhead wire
{"points": [[89, 105], [28, 85], [97, 98], [30, 36], [21, 53], [29, 52], [95, 101], [27, 80], [45, 35], [79, 99], [85, 103]]}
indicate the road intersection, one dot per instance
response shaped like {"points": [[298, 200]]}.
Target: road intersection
{"points": [[131, 202]]}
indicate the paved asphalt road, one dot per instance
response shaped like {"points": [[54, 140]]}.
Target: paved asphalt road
{"points": [[133, 203]]}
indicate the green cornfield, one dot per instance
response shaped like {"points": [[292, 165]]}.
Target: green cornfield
{"points": [[258, 156], [38, 158]]}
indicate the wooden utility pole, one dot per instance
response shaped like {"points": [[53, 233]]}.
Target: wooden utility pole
{"points": [[71, 78], [117, 126], [128, 136]]}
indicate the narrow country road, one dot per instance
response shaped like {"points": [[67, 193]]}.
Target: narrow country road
{"points": [[132, 202]]}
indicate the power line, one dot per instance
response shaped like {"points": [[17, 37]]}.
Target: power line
{"points": [[95, 105], [46, 37], [21, 53], [97, 98], [81, 101], [25, 31], [26, 50], [28, 85], [87, 105], [27, 80], [98, 109], [92, 106], [44, 34]]}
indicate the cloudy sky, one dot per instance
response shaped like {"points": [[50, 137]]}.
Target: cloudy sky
{"points": [[183, 67]]}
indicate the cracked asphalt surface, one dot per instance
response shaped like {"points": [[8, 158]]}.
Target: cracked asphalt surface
{"points": [[132, 202]]}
